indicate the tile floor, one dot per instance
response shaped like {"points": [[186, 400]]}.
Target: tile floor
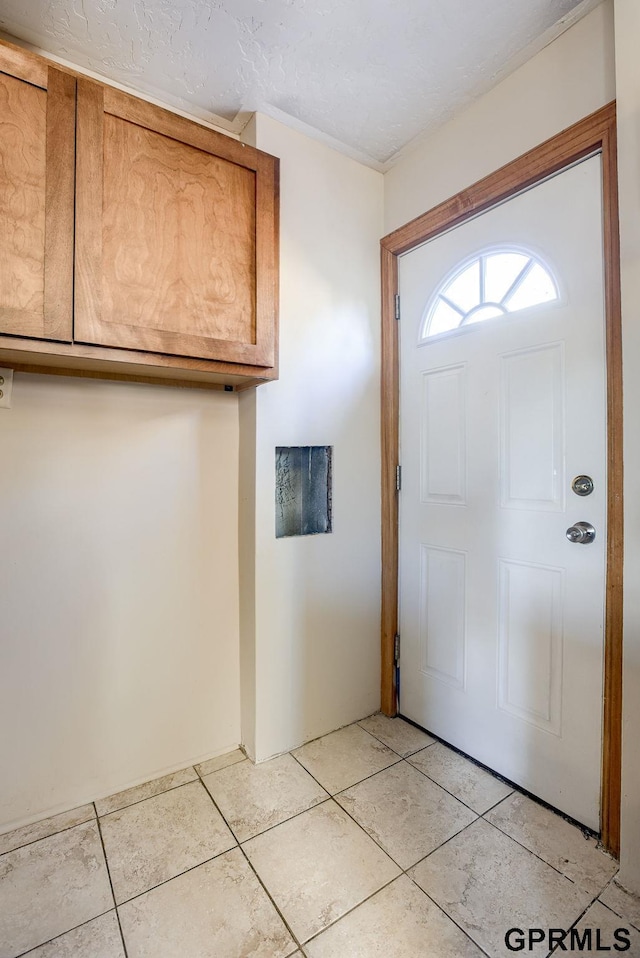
{"points": [[374, 840]]}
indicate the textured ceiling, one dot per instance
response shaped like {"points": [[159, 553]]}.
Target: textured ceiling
{"points": [[372, 74]]}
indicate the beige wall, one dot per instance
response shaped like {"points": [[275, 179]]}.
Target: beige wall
{"points": [[311, 640], [119, 565], [118, 587], [628, 96], [570, 78]]}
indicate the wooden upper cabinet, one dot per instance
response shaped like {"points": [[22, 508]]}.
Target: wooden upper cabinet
{"points": [[37, 136], [176, 234]]}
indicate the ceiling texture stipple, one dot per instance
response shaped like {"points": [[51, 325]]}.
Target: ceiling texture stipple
{"points": [[370, 74]]}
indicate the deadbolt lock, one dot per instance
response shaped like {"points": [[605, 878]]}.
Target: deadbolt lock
{"points": [[582, 485]]}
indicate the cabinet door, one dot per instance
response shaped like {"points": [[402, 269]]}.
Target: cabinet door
{"points": [[175, 234], [37, 136]]}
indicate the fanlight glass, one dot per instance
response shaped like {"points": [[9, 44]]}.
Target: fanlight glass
{"points": [[494, 284]]}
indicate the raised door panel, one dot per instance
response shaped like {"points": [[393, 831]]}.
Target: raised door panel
{"points": [[175, 235], [37, 136]]}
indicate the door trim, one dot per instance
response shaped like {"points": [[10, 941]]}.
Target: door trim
{"points": [[595, 133]]}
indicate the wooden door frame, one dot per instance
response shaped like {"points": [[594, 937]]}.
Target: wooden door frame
{"points": [[595, 133]]}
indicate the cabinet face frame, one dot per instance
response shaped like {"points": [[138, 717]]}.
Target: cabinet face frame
{"points": [[94, 102], [55, 320]]}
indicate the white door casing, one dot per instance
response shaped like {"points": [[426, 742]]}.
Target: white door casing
{"points": [[501, 617]]}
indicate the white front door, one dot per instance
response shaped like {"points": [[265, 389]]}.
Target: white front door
{"points": [[502, 405]]}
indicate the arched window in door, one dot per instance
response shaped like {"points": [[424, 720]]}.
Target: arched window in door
{"points": [[494, 283]]}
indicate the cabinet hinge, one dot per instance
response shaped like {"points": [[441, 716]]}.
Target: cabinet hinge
{"points": [[396, 300], [398, 478], [396, 647]]}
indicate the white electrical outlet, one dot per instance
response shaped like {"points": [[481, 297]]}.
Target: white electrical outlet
{"points": [[6, 386]]}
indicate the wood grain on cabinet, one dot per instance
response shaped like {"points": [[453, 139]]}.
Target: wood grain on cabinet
{"points": [[37, 134], [175, 234]]}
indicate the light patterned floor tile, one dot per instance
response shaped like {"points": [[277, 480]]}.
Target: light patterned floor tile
{"points": [[318, 866], [139, 792], [554, 840], [487, 884], [402, 737], [405, 812], [51, 886], [472, 785], [221, 761], [45, 828], [398, 922], [197, 896], [218, 910], [253, 798], [157, 839], [601, 931], [345, 757], [99, 938], [622, 902]]}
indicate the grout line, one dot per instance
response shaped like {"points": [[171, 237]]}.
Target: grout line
{"points": [[106, 862], [375, 840], [397, 761], [386, 745], [573, 924], [296, 940], [321, 801], [616, 913], [247, 859], [63, 933], [139, 801], [609, 908], [495, 805], [536, 855], [43, 838], [352, 909], [445, 789], [296, 748], [446, 842], [611, 880], [450, 917], [224, 768], [382, 742], [186, 871]]}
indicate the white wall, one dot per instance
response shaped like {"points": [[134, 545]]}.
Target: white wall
{"points": [[118, 587], [312, 647], [628, 96]]}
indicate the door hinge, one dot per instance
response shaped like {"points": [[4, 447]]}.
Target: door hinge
{"points": [[398, 478], [396, 300], [396, 647]]}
